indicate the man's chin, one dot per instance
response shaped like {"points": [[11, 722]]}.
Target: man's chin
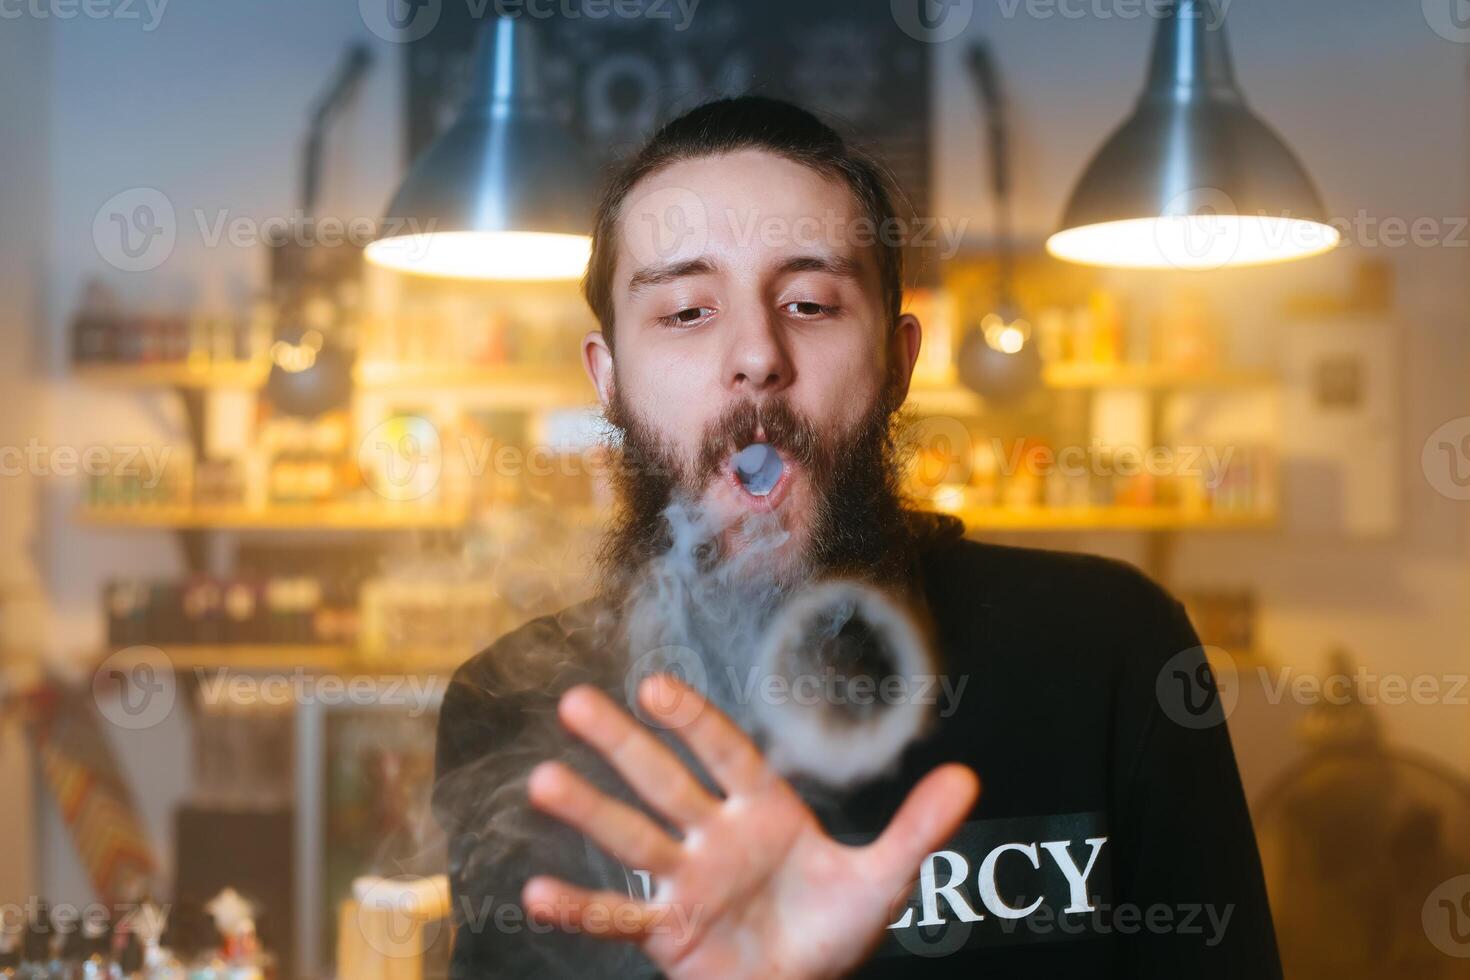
{"points": [[760, 536]]}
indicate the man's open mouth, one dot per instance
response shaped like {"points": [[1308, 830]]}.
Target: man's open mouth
{"points": [[758, 467]]}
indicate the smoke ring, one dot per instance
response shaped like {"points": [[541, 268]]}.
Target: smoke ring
{"points": [[814, 740]]}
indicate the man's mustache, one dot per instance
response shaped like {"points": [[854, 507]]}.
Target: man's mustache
{"points": [[771, 420]]}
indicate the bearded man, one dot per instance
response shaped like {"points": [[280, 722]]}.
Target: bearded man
{"points": [[608, 819]]}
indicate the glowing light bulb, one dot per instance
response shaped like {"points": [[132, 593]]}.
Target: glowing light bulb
{"points": [[1193, 241], [513, 255]]}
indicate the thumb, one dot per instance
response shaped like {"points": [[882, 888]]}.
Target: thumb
{"points": [[934, 810]]}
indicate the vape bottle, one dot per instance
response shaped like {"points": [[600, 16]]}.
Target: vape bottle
{"points": [[234, 920], [94, 961], [129, 961], [36, 944], [185, 934], [9, 951], [143, 955], [68, 947]]}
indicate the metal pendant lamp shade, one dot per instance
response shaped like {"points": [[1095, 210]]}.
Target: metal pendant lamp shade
{"points": [[1193, 179], [505, 192]]}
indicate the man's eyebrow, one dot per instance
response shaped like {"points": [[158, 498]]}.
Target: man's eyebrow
{"points": [[837, 265], [656, 275]]}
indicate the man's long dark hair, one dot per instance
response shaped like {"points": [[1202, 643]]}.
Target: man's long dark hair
{"points": [[750, 122]]}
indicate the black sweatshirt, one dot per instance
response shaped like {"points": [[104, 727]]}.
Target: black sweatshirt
{"points": [[1111, 838]]}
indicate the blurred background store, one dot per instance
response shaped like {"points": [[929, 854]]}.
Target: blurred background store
{"points": [[237, 452]]}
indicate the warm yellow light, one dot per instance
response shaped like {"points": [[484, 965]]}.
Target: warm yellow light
{"points": [[1008, 338], [1196, 241], [1012, 340], [295, 358], [519, 255]]}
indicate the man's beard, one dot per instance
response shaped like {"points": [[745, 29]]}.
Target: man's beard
{"points": [[856, 527], [688, 601]]}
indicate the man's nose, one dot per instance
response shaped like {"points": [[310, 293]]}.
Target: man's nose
{"points": [[756, 358]]}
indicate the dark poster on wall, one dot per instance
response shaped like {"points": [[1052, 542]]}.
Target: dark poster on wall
{"points": [[615, 77]]}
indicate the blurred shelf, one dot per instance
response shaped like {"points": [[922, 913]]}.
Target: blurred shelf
{"points": [[514, 385], [537, 387], [1106, 519], [943, 394], [391, 374], [369, 517], [20, 670], [240, 374], [933, 397], [310, 658], [335, 516], [1241, 663], [1151, 376]]}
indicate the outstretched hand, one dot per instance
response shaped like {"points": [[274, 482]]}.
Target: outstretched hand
{"points": [[753, 885]]}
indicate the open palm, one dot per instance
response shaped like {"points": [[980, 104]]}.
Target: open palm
{"points": [[753, 885]]}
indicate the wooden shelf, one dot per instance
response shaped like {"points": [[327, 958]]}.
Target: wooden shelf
{"points": [[241, 374], [392, 374], [522, 387], [410, 516], [311, 658], [1150, 376], [1107, 519], [534, 387], [935, 398], [20, 670], [513, 385], [945, 395], [1242, 662], [334, 516]]}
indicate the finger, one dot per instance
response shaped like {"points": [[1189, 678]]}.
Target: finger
{"points": [[726, 752], [649, 766], [621, 830], [932, 813], [603, 914]]}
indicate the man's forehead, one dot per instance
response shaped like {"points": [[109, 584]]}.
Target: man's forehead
{"points": [[751, 209]]}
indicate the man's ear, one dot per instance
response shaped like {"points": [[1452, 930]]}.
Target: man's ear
{"points": [[903, 351], [597, 361]]}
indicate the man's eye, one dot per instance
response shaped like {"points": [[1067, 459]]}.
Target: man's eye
{"points": [[807, 309], [685, 317]]}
